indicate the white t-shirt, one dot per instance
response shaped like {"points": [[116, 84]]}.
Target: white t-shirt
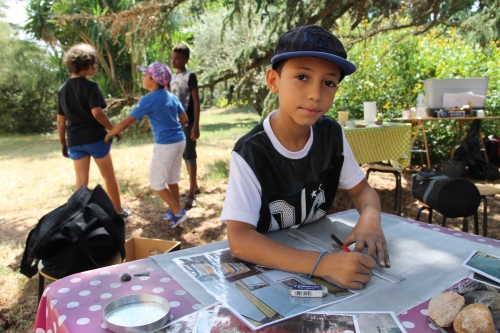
{"points": [[243, 193]]}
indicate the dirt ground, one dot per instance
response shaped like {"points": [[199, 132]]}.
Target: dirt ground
{"points": [[204, 227]]}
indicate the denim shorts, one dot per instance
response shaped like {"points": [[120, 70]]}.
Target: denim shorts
{"points": [[98, 149]]}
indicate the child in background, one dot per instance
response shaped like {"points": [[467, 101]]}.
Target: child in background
{"points": [[163, 111], [185, 86], [286, 171], [80, 114]]}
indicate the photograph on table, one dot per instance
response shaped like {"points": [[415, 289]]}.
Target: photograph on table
{"points": [[226, 321], [485, 264], [375, 322], [484, 280], [258, 296]]}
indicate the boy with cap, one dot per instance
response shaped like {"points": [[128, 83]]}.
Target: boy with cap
{"points": [[286, 171], [164, 113]]}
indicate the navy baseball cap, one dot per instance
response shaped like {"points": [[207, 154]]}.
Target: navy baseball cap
{"points": [[312, 41]]}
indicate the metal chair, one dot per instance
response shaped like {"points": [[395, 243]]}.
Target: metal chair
{"points": [[397, 173]]}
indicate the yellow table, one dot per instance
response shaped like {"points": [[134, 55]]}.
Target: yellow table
{"points": [[387, 142]]}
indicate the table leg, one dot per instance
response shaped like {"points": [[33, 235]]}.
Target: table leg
{"points": [[476, 224], [481, 138], [426, 146], [485, 216], [465, 227], [41, 286]]}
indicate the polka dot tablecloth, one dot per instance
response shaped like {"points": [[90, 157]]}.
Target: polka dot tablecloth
{"points": [[416, 319], [75, 303], [389, 142]]}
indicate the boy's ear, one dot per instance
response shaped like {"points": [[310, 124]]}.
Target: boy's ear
{"points": [[272, 78]]}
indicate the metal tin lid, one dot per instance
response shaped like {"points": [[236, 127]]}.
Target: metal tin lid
{"points": [[136, 314]]}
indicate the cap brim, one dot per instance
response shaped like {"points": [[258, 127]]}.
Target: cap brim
{"points": [[143, 69], [346, 66]]}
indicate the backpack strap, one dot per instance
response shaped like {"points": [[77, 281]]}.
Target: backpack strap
{"points": [[77, 232], [109, 226], [27, 268]]}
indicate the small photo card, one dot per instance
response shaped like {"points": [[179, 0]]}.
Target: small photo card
{"points": [[485, 264], [484, 280]]}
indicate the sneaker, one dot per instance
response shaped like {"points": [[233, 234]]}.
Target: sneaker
{"points": [[125, 214], [166, 216], [190, 202], [196, 192], [177, 219]]}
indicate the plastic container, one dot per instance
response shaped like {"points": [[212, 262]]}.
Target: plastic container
{"points": [[435, 88], [452, 168], [421, 106]]}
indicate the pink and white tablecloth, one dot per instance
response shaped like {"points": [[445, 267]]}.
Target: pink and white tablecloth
{"points": [[75, 303], [416, 320]]}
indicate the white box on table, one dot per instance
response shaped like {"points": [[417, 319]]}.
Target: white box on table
{"points": [[436, 88]]}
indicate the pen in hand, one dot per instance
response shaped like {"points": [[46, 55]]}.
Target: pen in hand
{"points": [[342, 246]]}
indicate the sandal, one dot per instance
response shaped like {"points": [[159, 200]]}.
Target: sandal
{"points": [[196, 192], [190, 202]]}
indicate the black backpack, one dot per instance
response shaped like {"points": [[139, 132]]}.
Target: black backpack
{"points": [[452, 197], [75, 237], [492, 146], [470, 152]]}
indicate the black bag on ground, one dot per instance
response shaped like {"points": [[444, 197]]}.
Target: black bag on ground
{"points": [[492, 146], [75, 237], [470, 152], [450, 197]]}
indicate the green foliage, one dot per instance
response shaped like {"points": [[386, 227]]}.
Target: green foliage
{"points": [[29, 87], [392, 68]]}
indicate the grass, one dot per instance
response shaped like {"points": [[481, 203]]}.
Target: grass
{"points": [[36, 179]]}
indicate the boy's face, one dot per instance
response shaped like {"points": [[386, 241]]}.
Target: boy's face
{"points": [[148, 82], [178, 60], [306, 88]]}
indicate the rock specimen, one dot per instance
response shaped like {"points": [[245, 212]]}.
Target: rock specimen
{"points": [[443, 308], [474, 318]]}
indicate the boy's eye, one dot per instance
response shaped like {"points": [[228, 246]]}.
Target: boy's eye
{"points": [[301, 77], [330, 84]]}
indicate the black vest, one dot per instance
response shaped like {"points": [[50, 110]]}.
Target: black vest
{"points": [[294, 190]]}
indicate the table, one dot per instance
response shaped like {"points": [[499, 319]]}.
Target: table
{"points": [[419, 123], [387, 142], [428, 256]]}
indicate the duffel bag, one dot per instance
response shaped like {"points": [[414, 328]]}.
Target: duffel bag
{"points": [[449, 196], [75, 237]]}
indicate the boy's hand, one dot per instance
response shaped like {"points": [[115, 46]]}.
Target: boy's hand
{"points": [[350, 270], [195, 133], [119, 136], [108, 139], [64, 150], [370, 235]]}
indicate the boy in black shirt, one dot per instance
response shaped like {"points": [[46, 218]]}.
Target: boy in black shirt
{"points": [[80, 112], [185, 86], [286, 171]]}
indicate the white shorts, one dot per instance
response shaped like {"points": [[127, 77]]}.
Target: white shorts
{"points": [[166, 164]]}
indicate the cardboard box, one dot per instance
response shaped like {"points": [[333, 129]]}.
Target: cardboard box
{"points": [[140, 247]]}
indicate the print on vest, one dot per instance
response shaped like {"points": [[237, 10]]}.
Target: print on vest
{"points": [[315, 213], [283, 214], [282, 211]]}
